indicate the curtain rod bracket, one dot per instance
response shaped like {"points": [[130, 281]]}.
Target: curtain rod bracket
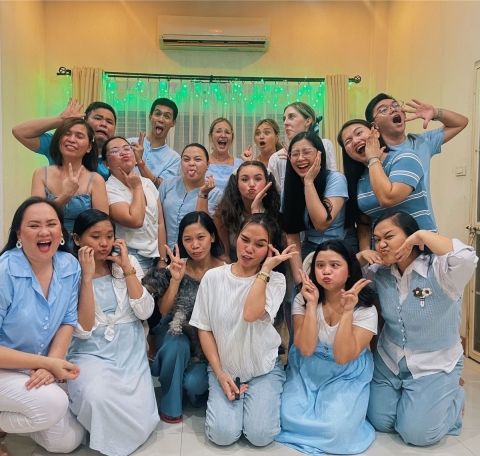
{"points": [[64, 71]]}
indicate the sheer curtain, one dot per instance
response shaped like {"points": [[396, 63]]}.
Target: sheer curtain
{"points": [[244, 103], [337, 97], [86, 84]]}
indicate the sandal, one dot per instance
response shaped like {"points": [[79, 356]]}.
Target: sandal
{"points": [[171, 419]]}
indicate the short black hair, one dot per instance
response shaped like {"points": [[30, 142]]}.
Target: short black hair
{"points": [[165, 102], [373, 102], [99, 105]]}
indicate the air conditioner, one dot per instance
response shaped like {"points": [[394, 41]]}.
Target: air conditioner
{"points": [[207, 33]]}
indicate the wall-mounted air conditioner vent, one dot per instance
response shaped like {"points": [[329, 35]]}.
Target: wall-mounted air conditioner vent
{"points": [[207, 33]]}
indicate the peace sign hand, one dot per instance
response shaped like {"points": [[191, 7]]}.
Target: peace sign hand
{"points": [[247, 154], [177, 265], [71, 183], [349, 298], [274, 257], [309, 291], [138, 147]]}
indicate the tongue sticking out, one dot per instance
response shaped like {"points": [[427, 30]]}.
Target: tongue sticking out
{"points": [[191, 172], [158, 130]]}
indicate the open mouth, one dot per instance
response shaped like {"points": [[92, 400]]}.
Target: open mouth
{"points": [[397, 118], [261, 143], [222, 143], [191, 172], [158, 130], [360, 149], [101, 133], [44, 246]]}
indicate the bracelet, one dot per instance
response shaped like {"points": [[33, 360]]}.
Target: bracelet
{"points": [[372, 161], [439, 114], [129, 273], [263, 276], [201, 195], [163, 259]]}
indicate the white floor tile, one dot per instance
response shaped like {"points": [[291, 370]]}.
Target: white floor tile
{"points": [[188, 438]]}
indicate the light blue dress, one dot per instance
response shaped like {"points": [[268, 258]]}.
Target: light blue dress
{"points": [[75, 206], [221, 172], [324, 403], [113, 397]]}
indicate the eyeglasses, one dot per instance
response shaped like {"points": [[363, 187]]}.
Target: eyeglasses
{"points": [[384, 110], [305, 152], [125, 150]]}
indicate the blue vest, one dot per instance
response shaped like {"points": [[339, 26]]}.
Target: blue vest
{"points": [[426, 325]]}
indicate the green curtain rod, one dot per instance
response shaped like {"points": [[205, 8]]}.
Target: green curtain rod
{"points": [[63, 71]]}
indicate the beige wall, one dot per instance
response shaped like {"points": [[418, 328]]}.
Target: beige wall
{"points": [[22, 53], [431, 54]]}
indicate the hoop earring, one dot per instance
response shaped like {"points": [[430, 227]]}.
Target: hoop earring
{"points": [[19, 244], [62, 241]]}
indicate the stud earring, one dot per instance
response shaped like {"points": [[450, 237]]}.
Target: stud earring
{"points": [[19, 244]]}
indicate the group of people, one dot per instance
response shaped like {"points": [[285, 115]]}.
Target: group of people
{"points": [[209, 254]]}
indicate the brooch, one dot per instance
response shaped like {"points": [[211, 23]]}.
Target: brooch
{"points": [[422, 293]]}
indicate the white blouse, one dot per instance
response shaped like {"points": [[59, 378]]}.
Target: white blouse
{"points": [[246, 349]]}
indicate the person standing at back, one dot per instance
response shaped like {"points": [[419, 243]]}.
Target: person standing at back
{"points": [[34, 134], [158, 161]]}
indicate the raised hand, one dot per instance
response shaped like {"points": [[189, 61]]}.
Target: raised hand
{"points": [[229, 388], [71, 182], [419, 110], [257, 205], [312, 173], [369, 257], [372, 145], [208, 185], [122, 258], [138, 147], [87, 261], [247, 154], [274, 257], [349, 298], [38, 378], [132, 179], [309, 291], [74, 109], [177, 265], [406, 248]]}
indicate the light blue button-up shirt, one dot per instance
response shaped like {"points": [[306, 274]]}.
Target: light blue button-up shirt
{"points": [[177, 203], [28, 320]]}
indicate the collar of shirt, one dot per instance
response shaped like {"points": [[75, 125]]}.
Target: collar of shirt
{"points": [[62, 264]]}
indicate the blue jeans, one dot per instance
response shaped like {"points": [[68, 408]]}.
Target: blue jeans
{"points": [[421, 410], [146, 263], [256, 414], [177, 373]]}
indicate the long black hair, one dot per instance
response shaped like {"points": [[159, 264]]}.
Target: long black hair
{"points": [[206, 222], [353, 171], [293, 202], [231, 207], [367, 297], [18, 218]]}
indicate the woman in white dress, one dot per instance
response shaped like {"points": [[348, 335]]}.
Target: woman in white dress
{"points": [[114, 397]]}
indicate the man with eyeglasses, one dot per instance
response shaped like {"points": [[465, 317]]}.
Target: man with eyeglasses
{"points": [[34, 134], [155, 159], [388, 115]]}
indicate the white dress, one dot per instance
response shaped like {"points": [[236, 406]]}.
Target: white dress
{"points": [[113, 397]]}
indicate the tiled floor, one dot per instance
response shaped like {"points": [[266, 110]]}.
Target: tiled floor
{"points": [[188, 437]]}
